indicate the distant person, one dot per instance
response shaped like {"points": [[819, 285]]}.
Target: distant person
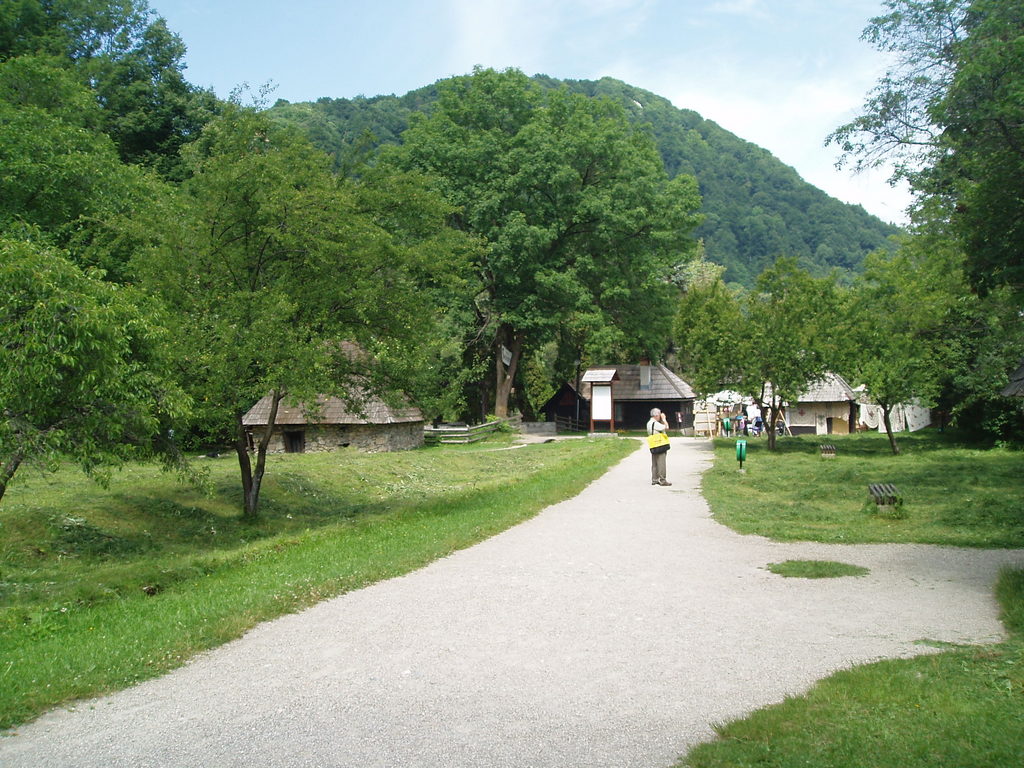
{"points": [[754, 418], [658, 425]]}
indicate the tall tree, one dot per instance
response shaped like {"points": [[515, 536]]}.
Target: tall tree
{"points": [[84, 373], [950, 114], [899, 123], [129, 58], [274, 269], [573, 207], [60, 172], [897, 318], [982, 113], [768, 344]]}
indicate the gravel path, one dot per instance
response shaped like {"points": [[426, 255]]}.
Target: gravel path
{"points": [[612, 630]]}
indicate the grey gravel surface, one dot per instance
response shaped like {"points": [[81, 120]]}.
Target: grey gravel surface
{"points": [[613, 629]]}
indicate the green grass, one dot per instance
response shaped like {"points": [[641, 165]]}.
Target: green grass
{"points": [[102, 588], [962, 707], [953, 494], [815, 569]]}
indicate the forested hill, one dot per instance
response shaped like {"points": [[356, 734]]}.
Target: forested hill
{"points": [[756, 207]]}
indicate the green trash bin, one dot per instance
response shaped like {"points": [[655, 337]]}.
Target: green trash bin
{"points": [[741, 452]]}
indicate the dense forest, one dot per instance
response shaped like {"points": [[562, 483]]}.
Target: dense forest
{"points": [[755, 207]]}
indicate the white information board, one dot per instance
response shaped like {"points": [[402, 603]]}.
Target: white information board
{"points": [[601, 404]]}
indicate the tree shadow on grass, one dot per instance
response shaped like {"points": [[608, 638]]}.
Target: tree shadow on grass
{"points": [[861, 444]]}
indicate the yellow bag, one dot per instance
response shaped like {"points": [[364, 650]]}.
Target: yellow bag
{"points": [[657, 440]]}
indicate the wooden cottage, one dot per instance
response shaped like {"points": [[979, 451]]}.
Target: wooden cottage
{"points": [[639, 388], [567, 409], [828, 407], [374, 426]]}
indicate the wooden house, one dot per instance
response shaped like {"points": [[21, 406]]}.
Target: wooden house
{"points": [[373, 426], [639, 388], [567, 409], [828, 407]]}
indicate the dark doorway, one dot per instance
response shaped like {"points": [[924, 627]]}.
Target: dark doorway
{"points": [[294, 442]]}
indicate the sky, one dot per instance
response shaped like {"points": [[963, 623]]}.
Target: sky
{"points": [[779, 73]]}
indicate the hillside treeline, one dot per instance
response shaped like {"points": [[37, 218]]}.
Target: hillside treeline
{"points": [[754, 206]]}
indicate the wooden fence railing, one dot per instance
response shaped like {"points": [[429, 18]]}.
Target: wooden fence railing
{"points": [[461, 433], [567, 424]]}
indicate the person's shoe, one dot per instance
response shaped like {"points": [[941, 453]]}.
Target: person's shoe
{"points": [[655, 482], [664, 482]]}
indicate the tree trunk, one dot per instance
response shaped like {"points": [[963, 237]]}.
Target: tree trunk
{"points": [[244, 468], [506, 376], [252, 479], [888, 429], [769, 414], [9, 468]]}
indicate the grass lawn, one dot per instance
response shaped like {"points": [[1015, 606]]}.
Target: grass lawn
{"points": [[101, 588], [953, 493], [962, 707], [816, 569]]}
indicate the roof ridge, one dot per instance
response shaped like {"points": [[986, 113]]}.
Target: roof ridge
{"points": [[670, 376]]}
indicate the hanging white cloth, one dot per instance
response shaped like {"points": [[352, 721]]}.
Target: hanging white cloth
{"points": [[871, 416]]}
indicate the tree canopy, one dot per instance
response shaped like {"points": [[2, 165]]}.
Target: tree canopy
{"points": [[84, 366], [769, 344], [575, 212], [130, 60], [950, 115], [274, 268], [754, 207]]}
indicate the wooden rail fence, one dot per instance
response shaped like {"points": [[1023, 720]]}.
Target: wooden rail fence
{"points": [[462, 433]]}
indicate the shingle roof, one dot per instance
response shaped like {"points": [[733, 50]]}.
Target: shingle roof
{"points": [[665, 385], [600, 375], [333, 410], [830, 389], [1016, 386]]}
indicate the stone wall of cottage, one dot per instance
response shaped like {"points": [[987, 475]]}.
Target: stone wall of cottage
{"points": [[372, 438]]}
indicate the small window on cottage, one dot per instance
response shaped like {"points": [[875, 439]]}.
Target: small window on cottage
{"points": [[294, 442], [645, 377]]}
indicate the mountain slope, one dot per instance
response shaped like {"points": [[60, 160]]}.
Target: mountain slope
{"points": [[756, 207]]}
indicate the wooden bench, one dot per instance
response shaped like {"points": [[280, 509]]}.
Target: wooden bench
{"points": [[828, 451], [885, 494]]}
